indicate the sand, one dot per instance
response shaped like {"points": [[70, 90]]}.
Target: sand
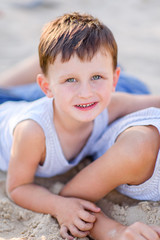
{"points": [[136, 26], [18, 223]]}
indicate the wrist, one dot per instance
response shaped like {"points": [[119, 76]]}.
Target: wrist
{"points": [[111, 229], [57, 205]]}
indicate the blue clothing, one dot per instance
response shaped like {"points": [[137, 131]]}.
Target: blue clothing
{"points": [[130, 84], [31, 92], [28, 92]]}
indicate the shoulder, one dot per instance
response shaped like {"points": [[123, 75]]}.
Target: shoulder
{"points": [[139, 146], [30, 138], [29, 128]]}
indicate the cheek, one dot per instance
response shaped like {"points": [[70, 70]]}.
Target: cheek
{"points": [[68, 92], [62, 95], [107, 97], [106, 92], [105, 88]]}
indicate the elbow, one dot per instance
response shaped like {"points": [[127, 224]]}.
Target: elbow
{"points": [[9, 193], [62, 192]]}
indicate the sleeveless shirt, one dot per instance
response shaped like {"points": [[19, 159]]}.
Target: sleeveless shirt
{"points": [[41, 111]]}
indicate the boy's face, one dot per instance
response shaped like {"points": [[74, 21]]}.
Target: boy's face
{"points": [[82, 89]]}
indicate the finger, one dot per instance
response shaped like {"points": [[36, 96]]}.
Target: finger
{"points": [[83, 226], [90, 206], [87, 216], [144, 231], [64, 233], [131, 234], [157, 229], [76, 232], [149, 232]]}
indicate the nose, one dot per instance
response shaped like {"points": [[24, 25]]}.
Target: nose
{"points": [[85, 90]]}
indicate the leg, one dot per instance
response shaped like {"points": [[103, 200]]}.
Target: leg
{"points": [[23, 73], [130, 160]]}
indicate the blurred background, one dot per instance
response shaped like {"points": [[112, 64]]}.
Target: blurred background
{"points": [[134, 23]]}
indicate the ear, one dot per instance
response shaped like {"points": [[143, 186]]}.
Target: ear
{"points": [[44, 85], [116, 75]]}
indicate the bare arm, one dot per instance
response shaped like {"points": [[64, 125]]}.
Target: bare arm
{"points": [[24, 72], [120, 164], [28, 151], [122, 104]]}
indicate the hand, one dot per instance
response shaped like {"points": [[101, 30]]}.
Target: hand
{"points": [[75, 216], [139, 231]]}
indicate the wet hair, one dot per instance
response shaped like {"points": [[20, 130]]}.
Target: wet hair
{"points": [[75, 33]]}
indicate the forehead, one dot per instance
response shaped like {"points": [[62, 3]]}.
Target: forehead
{"points": [[101, 60]]}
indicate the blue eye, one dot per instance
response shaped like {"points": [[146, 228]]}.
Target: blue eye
{"points": [[96, 77], [71, 80]]}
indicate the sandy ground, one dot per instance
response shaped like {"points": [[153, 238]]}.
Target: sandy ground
{"points": [[136, 26]]}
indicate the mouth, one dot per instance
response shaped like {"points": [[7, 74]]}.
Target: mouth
{"points": [[86, 106]]}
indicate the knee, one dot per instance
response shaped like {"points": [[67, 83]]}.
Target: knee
{"points": [[147, 141], [141, 141], [139, 147]]}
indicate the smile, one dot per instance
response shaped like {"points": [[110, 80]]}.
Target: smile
{"points": [[87, 106]]}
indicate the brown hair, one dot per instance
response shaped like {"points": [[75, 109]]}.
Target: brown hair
{"points": [[75, 33]]}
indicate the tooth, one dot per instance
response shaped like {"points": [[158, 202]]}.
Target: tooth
{"points": [[85, 105]]}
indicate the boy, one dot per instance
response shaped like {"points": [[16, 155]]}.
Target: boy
{"points": [[78, 57]]}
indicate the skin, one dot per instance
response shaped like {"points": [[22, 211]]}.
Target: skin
{"points": [[22, 73], [79, 83], [137, 149]]}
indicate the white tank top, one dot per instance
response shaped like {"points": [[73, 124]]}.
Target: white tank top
{"points": [[41, 111]]}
